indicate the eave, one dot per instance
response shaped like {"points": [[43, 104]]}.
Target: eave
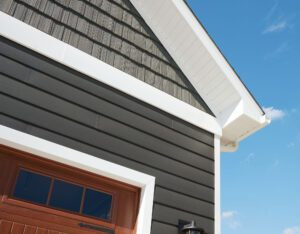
{"points": [[236, 110]]}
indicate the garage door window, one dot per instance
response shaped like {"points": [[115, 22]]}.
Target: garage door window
{"points": [[32, 187], [64, 195], [97, 204]]}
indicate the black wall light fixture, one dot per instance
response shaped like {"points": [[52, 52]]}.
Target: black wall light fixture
{"points": [[185, 227]]}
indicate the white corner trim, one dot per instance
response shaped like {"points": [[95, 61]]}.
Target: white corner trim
{"points": [[58, 153], [217, 148], [67, 55]]}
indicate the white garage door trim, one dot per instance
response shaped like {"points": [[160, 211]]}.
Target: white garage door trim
{"points": [[62, 154]]}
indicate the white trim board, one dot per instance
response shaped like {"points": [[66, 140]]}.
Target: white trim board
{"points": [[67, 55], [205, 67], [217, 199], [58, 153]]}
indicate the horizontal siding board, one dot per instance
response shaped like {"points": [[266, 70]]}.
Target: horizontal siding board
{"points": [[105, 123], [94, 137], [50, 101], [173, 199], [163, 179], [103, 92], [159, 228], [64, 74], [46, 101], [171, 216], [193, 132], [70, 21], [11, 122]]}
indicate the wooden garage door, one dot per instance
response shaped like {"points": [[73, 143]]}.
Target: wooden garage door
{"points": [[41, 196]]}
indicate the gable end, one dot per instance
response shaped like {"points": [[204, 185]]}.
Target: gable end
{"points": [[112, 31]]}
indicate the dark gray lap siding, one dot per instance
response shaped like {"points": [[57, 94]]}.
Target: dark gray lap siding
{"points": [[48, 100], [112, 31]]}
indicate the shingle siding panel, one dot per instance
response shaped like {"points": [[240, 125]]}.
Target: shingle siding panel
{"points": [[99, 26], [48, 100]]}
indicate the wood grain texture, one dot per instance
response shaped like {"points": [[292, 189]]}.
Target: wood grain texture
{"points": [[17, 228], [112, 31], [5, 226], [50, 101], [29, 229], [18, 216]]}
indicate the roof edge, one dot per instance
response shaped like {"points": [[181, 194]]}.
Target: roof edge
{"points": [[223, 55], [233, 146], [63, 53], [188, 42]]}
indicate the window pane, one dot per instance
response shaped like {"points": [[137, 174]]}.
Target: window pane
{"points": [[32, 187], [66, 196], [97, 204]]}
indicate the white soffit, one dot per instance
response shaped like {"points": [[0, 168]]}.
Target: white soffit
{"points": [[206, 68]]}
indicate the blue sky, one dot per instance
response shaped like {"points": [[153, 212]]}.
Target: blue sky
{"points": [[261, 181]]}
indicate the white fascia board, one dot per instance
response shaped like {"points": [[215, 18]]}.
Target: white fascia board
{"points": [[204, 65], [215, 53], [46, 149], [69, 56], [238, 123], [232, 146]]}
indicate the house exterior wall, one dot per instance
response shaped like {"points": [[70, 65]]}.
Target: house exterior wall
{"points": [[48, 100], [112, 31]]}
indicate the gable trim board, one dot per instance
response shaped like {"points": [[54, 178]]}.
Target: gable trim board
{"points": [[207, 69], [58, 153], [67, 55], [237, 113], [114, 32], [234, 123]]}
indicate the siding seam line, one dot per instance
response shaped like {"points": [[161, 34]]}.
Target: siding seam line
{"points": [[185, 211], [113, 103], [184, 194], [97, 129], [178, 176]]}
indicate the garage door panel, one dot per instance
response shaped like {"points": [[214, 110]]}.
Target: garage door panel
{"points": [[13, 223], [22, 178], [17, 228], [42, 231], [53, 232], [15, 210], [5, 226], [29, 230]]}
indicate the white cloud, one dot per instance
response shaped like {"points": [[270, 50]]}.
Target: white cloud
{"points": [[277, 20], [291, 230], [276, 27], [228, 214], [250, 157], [295, 142], [272, 11], [230, 220], [234, 224], [273, 113], [275, 163], [283, 47]]}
